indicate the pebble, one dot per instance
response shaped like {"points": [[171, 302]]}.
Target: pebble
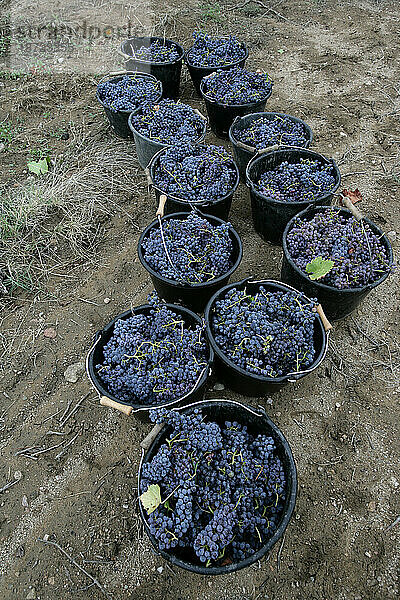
{"points": [[2, 146], [368, 554], [31, 595], [25, 501], [50, 332], [17, 475], [73, 372], [51, 580], [337, 405], [160, 569], [107, 300], [218, 387], [392, 235]]}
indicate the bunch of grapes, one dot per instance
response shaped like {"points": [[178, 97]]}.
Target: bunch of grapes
{"points": [[214, 52], [197, 251], [269, 334], [237, 86], [157, 52], [130, 92], [168, 122], [264, 132], [358, 255], [195, 173], [222, 488], [304, 181], [153, 358]]}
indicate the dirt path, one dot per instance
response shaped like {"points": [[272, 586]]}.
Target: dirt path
{"points": [[336, 66]]}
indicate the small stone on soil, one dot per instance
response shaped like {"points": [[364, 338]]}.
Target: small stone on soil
{"points": [[31, 595], [160, 569], [218, 387], [50, 332], [73, 372], [107, 300]]}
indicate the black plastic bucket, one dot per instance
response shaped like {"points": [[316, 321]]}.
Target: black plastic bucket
{"points": [[219, 208], [197, 73], [242, 152], [146, 148], [221, 116], [95, 356], [270, 216], [119, 120], [239, 379], [257, 422], [337, 303], [194, 296], [169, 73]]}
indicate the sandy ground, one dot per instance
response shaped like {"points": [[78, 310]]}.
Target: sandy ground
{"points": [[336, 65]]}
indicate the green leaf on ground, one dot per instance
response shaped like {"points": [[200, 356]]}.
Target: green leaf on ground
{"points": [[39, 167], [319, 267], [151, 499]]}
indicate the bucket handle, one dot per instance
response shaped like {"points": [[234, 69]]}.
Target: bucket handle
{"points": [[117, 73], [128, 410], [196, 110], [350, 206], [151, 436], [161, 206]]}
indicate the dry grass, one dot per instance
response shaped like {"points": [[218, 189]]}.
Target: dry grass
{"points": [[55, 220]]}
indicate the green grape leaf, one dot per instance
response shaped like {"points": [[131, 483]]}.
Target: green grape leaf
{"points": [[151, 499], [39, 167], [319, 267]]}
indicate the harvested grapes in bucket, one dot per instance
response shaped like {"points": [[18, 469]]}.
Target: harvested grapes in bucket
{"points": [[168, 122], [128, 93], [213, 492], [210, 51], [189, 250], [237, 86], [350, 254], [269, 334], [264, 132], [195, 173], [304, 181], [153, 358], [157, 52]]}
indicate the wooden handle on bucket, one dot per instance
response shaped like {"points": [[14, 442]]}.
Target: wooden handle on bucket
{"points": [[161, 205], [196, 110], [149, 439], [325, 322], [350, 206], [104, 401], [148, 177]]}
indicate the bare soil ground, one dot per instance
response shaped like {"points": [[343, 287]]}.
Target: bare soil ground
{"points": [[336, 65]]}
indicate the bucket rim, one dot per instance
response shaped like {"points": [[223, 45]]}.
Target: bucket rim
{"points": [[118, 77], [232, 106], [102, 390], [215, 68], [203, 203], [163, 145], [289, 377], [194, 286], [152, 38], [311, 153], [291, 502], [268, 114], [323, 286]]}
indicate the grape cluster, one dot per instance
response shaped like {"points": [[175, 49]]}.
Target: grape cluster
{"points": [[237, 86], [268, 334], [157, 52], [129, 92], [214, 52], [197, 251], [264, 132], [195, 173], [304, 181], [222, 488], [168, 122], [358, 255], [153, 358]]}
